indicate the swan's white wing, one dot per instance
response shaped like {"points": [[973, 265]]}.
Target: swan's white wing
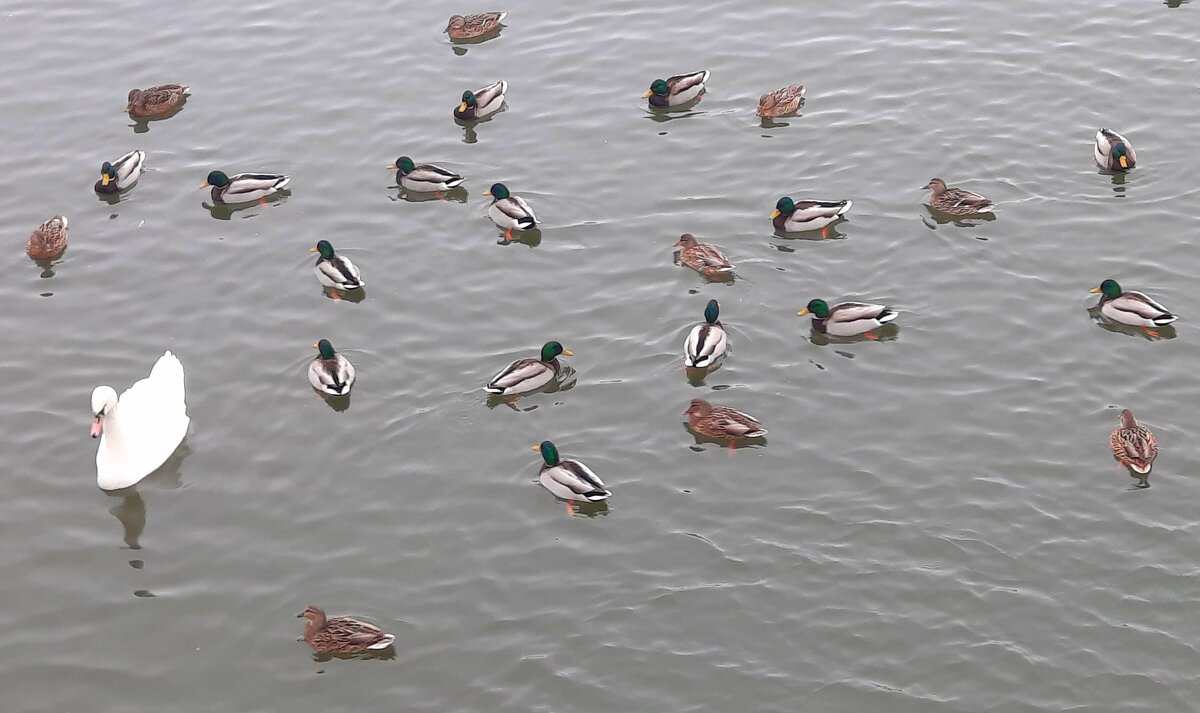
{"points": [[147, 426]]}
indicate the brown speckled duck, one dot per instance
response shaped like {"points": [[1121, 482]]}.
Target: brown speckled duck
{"points": [[474, 26], [1133, 445], [703, 258], [721, 423], [49, 240], [156, 101], [781, 102], [342, 634], [957, 201]]}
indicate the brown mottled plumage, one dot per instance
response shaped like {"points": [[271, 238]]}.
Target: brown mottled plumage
{"points": [[49, 240], [342, 634], [1133, 445], [156, 101], [957, 201], [720, 422], [782, 102], [473, 26], [703, 258]]}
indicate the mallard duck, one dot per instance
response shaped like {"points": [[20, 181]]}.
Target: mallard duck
{"points": [[848, 318], [509, 211], [721, 423], [680, 89], [156, 101], [335, 271], [703, 258], [1133, 308], [425, 177], [706, 343], [1113, 151], [120, 175], [342, 634], [244, 187], [957, 201], [473, 26], [481, 102], [781, 102], [330, 372], [567, 478], [527, 374], [798, 216], [49, 240], [1133, 445]]}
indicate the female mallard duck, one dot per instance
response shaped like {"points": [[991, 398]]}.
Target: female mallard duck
{"points": [[1133, 308], [49, 240], [798, 216], [481, 102], [781, 102], [706, 343], [156, 101], [330, 372], [703, 258], [567, 478], [335, 271], [474, 26], [509, 211], [527, 374], [957, 201], [342, 634], [680, 89], [1113, 151], [849, 318], [721, 423], [120, 175], [424, 178], [1133, 445], [244, 187]]}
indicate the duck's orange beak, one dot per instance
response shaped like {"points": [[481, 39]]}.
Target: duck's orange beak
{"points": [[393, 166], [104, 179], [568, 352], [1124, 161], [648, 93], [538, 448], [316, 346], [462, 107], [802, 312], [487, 193], [775, 214], [313, 250], [205, 184], [1094, 290]]}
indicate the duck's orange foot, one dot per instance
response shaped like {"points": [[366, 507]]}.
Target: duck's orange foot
{"points": [[334, 293], [825, 232], [508, 235], [1152, 333], [262, 201], [870, 336], [439, 196], [570, 508], [730, 450]]}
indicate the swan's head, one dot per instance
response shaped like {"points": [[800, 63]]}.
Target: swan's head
{"points": [[104, 399]]}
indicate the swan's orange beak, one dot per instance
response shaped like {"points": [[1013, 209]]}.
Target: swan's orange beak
{"points": [[97, 426], [775, 214]]}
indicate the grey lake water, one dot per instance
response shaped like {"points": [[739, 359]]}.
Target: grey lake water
{"points": [[934, 522]]}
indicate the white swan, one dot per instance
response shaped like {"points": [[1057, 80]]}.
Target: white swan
{"points": [[143, 428]]}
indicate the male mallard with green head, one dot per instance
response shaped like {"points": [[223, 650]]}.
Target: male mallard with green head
{"points": [[509, 211], [1132, 308], [1113, 151], [120, 175], [335, 271], [481, 102], [425, 177], [330, 373], [680, 89], [848, 319], [528, 374], [707, 341], [569, 479], [244, 187], [798, 216]]}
